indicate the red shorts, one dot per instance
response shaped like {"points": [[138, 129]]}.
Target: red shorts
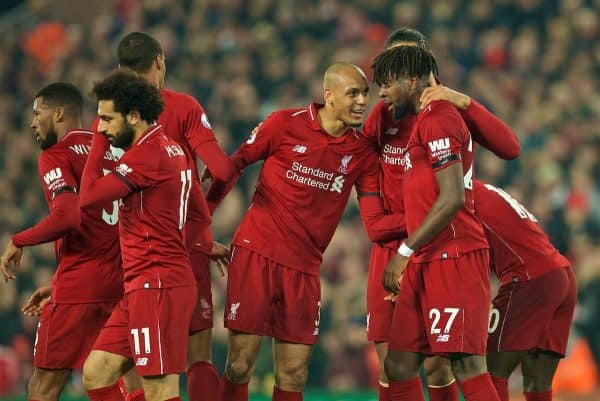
{"points": [[151, 326], [267, 299], [535, 314], [379, 311], [443, 306], [66, 333]]}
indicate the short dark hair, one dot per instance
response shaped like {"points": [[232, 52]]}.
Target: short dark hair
{"points": [[137, 51], [130, 91], [403, 61], [408, 35], [62, 94]]}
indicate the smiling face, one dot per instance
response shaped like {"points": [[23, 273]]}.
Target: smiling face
{"points": [[348, 95], [114, 125], [43, 124]]}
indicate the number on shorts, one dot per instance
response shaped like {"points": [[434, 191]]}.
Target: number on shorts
{"points": [[435, 314], [186, 186], [111, 218], [494, 320], [136, 340]]}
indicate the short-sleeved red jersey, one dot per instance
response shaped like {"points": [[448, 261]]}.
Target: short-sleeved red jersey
{"points": [[156, 170], [519, 247], [303, 187], [439, 139], [89, 263], [391, 138]]}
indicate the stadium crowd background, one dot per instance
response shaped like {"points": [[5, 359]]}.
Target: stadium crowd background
{"points": [[534, 63]]}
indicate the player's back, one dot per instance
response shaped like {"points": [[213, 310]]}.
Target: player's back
{"points": [[152, 217], [519, 247], [89, 260], [440, 138]]}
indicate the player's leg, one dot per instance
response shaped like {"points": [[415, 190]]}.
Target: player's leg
{"points": [[203, 382], [241, 359], [381, 348], [130, 385], [101, 371], [47, 384], [291, 369], [161, 388], [441, 384], [538, 370], [501, 365]]}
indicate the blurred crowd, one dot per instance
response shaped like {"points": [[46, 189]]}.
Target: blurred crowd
{"points": [[534, 63]]}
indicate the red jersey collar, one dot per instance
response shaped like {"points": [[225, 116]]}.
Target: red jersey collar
{"points": [[148, 133], [313, 110]]}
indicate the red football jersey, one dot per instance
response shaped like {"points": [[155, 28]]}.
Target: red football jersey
{"points": [[89, 261], [440, 138], [391, 137], [519, 247], [303, 187], [156, 170]]}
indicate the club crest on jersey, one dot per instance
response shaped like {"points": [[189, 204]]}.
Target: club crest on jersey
{"points": [[205, 122], [344, 164], [123, 169]]}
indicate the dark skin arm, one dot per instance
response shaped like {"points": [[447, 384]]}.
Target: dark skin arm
{"points": [[448, 203]]}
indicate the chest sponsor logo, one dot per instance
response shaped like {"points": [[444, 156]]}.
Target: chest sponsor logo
{"points": [[315, 177], [393, 155], [344, 164], [123, 169], [299, 149]]}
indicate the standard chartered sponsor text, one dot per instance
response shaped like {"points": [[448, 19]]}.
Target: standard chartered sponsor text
{"points": [[310, 176]]}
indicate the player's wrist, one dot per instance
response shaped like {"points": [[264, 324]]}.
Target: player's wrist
{"points": [[405, 250]]}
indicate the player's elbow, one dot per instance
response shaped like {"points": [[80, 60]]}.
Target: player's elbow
{"points": [[515, 150]]}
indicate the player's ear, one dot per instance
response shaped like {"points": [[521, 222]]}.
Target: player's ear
{"points": [[133, 117], [59, 114], [328, 96]]}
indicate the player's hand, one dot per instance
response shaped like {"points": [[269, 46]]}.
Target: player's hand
{"points": [[206, 175], [392, 275], [220, 254], [10, 261], [37, 300], [392, 297], [436, 91]]}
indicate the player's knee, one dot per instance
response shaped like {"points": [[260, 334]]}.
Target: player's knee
{"points": [[438, 372], [398, 368], [97, 372], [239, 371], [291, 377], [47, 387], [535, 383]]}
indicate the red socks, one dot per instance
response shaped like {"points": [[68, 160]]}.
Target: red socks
{"points": [[110, 393], [203, 383], [136, 395], [384, 392], [479, 388], [174, 399], [449, 392], [501, 385], [231, 391], [282, 395], [543, 396], [407, 390]]}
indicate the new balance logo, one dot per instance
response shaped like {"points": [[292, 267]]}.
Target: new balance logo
{"points": [[338, 184], [439, 144], [141, 362], [443, 338], [52, 175], [299, 149], [391, 131]]}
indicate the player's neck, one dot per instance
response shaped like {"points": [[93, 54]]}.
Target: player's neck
{"points": [[331, 125], [139, 129], [63, 129]]}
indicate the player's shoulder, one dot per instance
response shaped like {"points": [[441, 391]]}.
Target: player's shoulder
{"points": [[439, 114], [179, 99], [73, 141]]}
